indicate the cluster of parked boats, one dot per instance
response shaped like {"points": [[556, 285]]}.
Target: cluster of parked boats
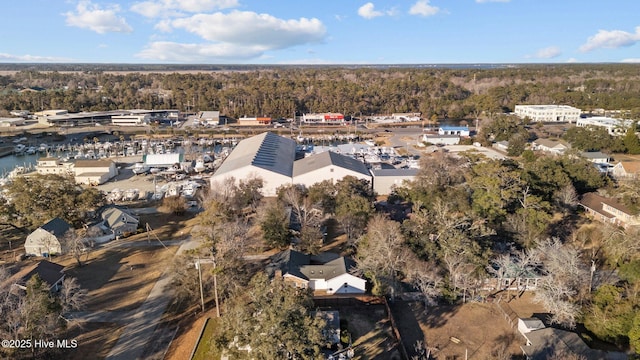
{"points": [[187, 189]]}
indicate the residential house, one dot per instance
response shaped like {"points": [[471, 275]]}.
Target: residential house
{"points": [[50, 273], [625, 170], [119, 221], [595, 157], [608, 210], [550, 146], [47, 239], [546, 343], [325, 273]]}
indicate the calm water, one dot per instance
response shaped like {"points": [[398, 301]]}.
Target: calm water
{"points": [[8, 163]]}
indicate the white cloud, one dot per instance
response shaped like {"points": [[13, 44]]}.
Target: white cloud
{"points": [[368, 11], [31, 58], [198, 53], [235, 36], [572, 60], [252, 29], [548, 52], [631, 60], [91, 16], [163, 8], [423, 8], [611, 39]]}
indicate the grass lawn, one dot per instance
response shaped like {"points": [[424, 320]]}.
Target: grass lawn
{"points": [[206, 349]]}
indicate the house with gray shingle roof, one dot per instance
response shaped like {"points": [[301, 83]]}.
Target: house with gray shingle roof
{"points": [[316, 273], [47, 239], [119, 220], [50, 273], [328, 165]]}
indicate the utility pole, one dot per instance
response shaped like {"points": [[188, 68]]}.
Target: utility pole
{"points": [[200, 281], [593, 269]]}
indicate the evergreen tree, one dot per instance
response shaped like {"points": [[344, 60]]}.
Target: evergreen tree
{"points": [[631, 141]]}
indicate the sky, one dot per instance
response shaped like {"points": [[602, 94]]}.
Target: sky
{"points": [[320, 31]]}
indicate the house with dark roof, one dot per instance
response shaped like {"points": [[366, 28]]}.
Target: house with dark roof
{"points": [[326, 273], [328, 165], [608, 210], [50, 273], [47, 239], [120, 221]]}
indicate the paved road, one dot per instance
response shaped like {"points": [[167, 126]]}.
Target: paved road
{"points": [[143, 321]]}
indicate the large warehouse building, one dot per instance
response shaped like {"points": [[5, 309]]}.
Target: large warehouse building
{"points": [[548, 113], [272, 158], [267, 156]]}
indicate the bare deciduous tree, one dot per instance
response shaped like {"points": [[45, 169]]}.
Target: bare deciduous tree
{"points": [[381, 253], [72, 296], [566, 276]]}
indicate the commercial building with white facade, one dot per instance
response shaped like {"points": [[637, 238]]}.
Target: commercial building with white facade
{"points": [[273, 159], [267, 156], [131, 120], [328, 165], [614, 127], [548, 113], [323, 118]]}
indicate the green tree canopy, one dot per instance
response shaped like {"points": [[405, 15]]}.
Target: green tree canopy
{"points": [[274, 319]]}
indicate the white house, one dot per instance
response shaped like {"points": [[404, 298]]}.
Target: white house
{"points": [[595, 157], [548, 113], [550, 146], [625, 170], [328, 165], [47, 239], [313, 272]]}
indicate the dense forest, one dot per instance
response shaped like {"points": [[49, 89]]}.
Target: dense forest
{"points": [[455, 92]]}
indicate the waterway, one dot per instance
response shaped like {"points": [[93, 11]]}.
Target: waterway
{"points": [[9, 162]]}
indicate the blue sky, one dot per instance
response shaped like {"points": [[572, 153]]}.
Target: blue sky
{"points": [[320, 32]]}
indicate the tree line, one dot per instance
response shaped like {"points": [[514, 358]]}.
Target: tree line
{"points": [[355, 91]]}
